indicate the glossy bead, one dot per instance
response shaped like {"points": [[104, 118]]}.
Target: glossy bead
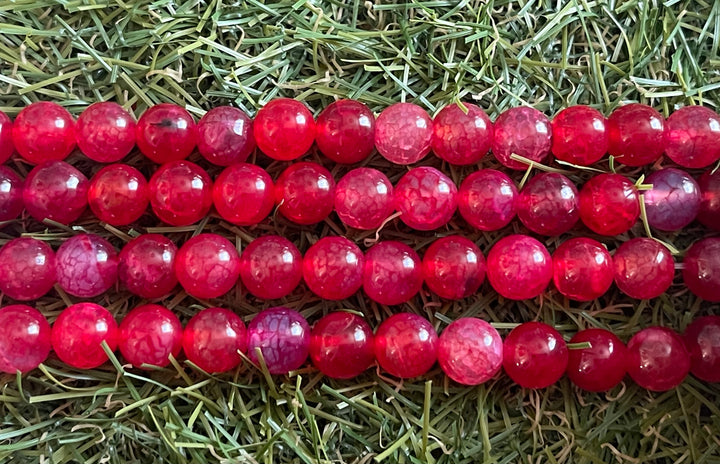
{"points": [[24, 339], [305, 193], [487, 199], [165, 133], [579, 135], [519, 267], [55, 190], [406, 345], [635, 133], [213, 338], [523, 131], [105, 132], [180, 193], [149, 334], [701, 270], [333, 268], [118, 194], [548, 204], [461, 137], [470, 351], [27, 268], [691, 135], [582, 269], [284, 129], [702, 339], [364, 198], [341, 345], [283, 337], [86, 265], [147, 264], [207, 266], [644, 268], [602, 365], [44, 131], [225, 136], [243, 194], [78, 333], [453, 267], [392, 273], [674, 200], [609, 204], [534, 355], [346, 131], [270, 267], [11, 194], [7, 148], [426, 198], [709, 213], [403, 133], [658, 359]]}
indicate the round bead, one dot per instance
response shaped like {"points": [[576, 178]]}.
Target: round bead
{"points": [[78, 333], [487, 199], [709, 213], [470, 351], [147, 264], [213, 338], [534, 355], [207, 266], [406, 345], [305, 193], [523, 131], [180, 193], [609, 204], [341, 345], [635, 133], [55, 190], [270, 267], [364, 198], [674, 200], [691, 135], [86, 265], [549, 204], [426, 198], [11, 194], [602, 365], [702, 339], [346, 131], [582, 269], [461, 137], [149, 334], [453, 267], [333, 268], [118, 194], [658, 359], [644, 268], [392, 273], [701, 270], [403, 133], [519, 267], [105, 132], [225, 136], [44, 131], [283, 337], [165, 133], [27, 268], [579, 135], [243, 194], [24, 339], [284, 129], [7, 148]]}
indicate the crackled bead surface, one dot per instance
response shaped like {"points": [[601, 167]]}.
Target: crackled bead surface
{"points": [[55, 190], [644, 268], [118, 194], [702, 339], [270, 267], [212, 339], [243, 194], [392, 273], [7, 148], [674, 200], [470, 351], [403, 133], [549, 204], [284, 129], [180, 193], [582, 269], [519, 267], [165, 133], [24, 339], [149, 334], [701, 270], [461, 137], [609, 204], [225, 136], [78, 333], [453, 267], [105, 132], [283, 337], [406, 345], [635, 133], [345, 131], [709, 213], [364, 198], [579, 135], [341, 345], [207, 266], [27, 268], [487, 199], [426, 198], [691, 135], [523, 131], [86, 265], [146, 266], [658, 359], [535, 355], [601, 366], [333, 268], [305, 193], [11, 194], [44, 131]]}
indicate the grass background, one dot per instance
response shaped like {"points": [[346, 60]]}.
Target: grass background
{"points": [[499, 54]]}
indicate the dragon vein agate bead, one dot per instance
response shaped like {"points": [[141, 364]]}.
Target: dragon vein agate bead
{"points": [[180, 193], [644, 268], [243, 194], [519, 267], [146, 266], [709, 214], [225, 136], [213, 339], [271, 267], [453, 267], [602, 365], [207, 266], [487, 199], [392, 273], [7, 148], [579, 135], [406, 345], [284, 129], [674, 200], [535, 355], [149, 334], [658, 359], [44, 131], [283, 337], [341, 345], [426, 197], [702, 338], [470, 351], [55, 190], [403, 133], [333, 268], [609, 204], [305, 193], [364, 198], [346, 131], [523, 131], [27, 268], [636, 134], [86, 265], [165, 133], [11, 194], [701, 271], [25, 339], [691, 135], [118, 194], [78, 333], [105, 132], [461, 137], [582, 269], [548, 204]]}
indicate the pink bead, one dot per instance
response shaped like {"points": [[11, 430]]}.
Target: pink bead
{"points": [[270, 267], [534, 355], [691, 135], [453, 267], [346, 131], [470, 351], [406, 345], [461, 137], [225, 136], [86, 265], [674, 200], [341, 345], [644, 268], [426, 198], [55, 190], [305, 193], [392, 274], [487, 199], [78, 333], [147, 264], [7, 148], [364, 198], [180, 193], [165, 133], [702, 339], [283, 337], [11, 194], [709, 213], [24, 339], [519, 267], [636, 134], [284, 129], [243, 194], [579, 135], [403, 133], [523, 131], [149, 334], [118, 194], [213, 338], [333, 268], [601, 366], [105, 132], [658, 359], [609, 204], [207, 266], [582, 269], [27, 269], [701, 270], [44, 131], [548, 204]]}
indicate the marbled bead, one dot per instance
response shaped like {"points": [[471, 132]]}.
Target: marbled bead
{"points": [[180, 193], [579, 135], [284, 129], [701, 270], [165, 133], [392, 273], [57, 191], [149, 334], [25, 339], [283, 337], [44, 131], [118, 194], [207, 266], [225, 136], [11, 194], [86, 265], [426, 198], [406, 345], [635, 134], [534, 355], [548, 204], [600, 366], [523, 131], [403, 133], [78, 333], [7, 148], [709, 213], [582, 269], [341, 345], [146, 266], [674, 200], [644, 268], [658, 359], [105, 132], [305, 193], [27, 268], [364, 198], [609, 204], [333, 268], [691, 135], [487, 199], [212, 339], [702, 339], [243, 194], [462, 137], [270, 267], [453, 267], [470, 351], [345, 131], [519, 267]]}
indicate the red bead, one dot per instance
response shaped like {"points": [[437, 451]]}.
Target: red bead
{"points": [[519, 267], [165, 133], [86, 265], [27, 268], [702, 339], [147, 264], [24, 339], [78, 333], [406, 345], [709, 213], [341, 345], [426, 198], [403, 133], [453, 267], [11, 194], [487, 199], [180, 193], [243, 194], [602, 365], [549, 204], [635, 134], [579, 135], [44, 131], [582, 269], [305, 193], [284, 129], [149, 334], [7, 148], [364, 198], [270, 267], [691, 135], [105, 132], [207, 266], [283, 337], [461, 137], [523, 131], [55, 190], [644, 268], [535, 355], [609, 204], [213, 338], [658, 359], [392, 274], [118, 194], [674, 200], [225, 136], [346, 131], [701, 270], [470, 351], [333, 268]]}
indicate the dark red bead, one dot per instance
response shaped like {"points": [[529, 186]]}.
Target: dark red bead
{"points": [[462, 137], [636, 134], [453, 267], [470, 351], [11, 194], [549, 204], [658, 359], [118, 194], [709, 213], [225, 136], [364, 198], [305, 193], [691, 135], [403, 133], [602, 365], [7, 148], [519, 267], [644, 268], [392, 274], [243, 194], [702, 339], [426, 198], [346, 131], [55, 190], [579, 135], [333, 268], [522, 131], [149, 334], [207, 266], [27, 268], [341, 345], [674, 200], [487, 199], [78, 333], [582, 269], [284, 129], [24, 339], [406, 345], [147, 264], [701, 269], [283, 337], [213, 338], [86, 265], [165, 133], [535, 355], [44, 131], [609, 204], [180, 193], [270, 267], [105, 132]]}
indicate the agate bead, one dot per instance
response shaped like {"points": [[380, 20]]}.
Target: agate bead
{"points": [[44, 131], [392, 273], [11, 194], [364, 198], [403, 133], [207, 266], [149, 335], [305, 193], [147, 264], [118, 194], [25, 339], [579, 135], [702, 339], [282, 335], [213, 339], [284, 129], [470, 351], [180, 193], [346, 131], [86, 265], [78, 333], [27, 268], [674, 200], [519, 267], [105, 132], [582, 269], [460, 136], [701, 269], [341, 345], [225, 136], [658, 359], [600, 366], [548, 204], [57, 191], [522, 131], [487, 199], [691, 135], [165, 133], [609, 204], [270, 267], [426, 198], [453, 267], [333, 268], [635, 133], [406, 345], [243, 194], [535, 355], [644, 268]]}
